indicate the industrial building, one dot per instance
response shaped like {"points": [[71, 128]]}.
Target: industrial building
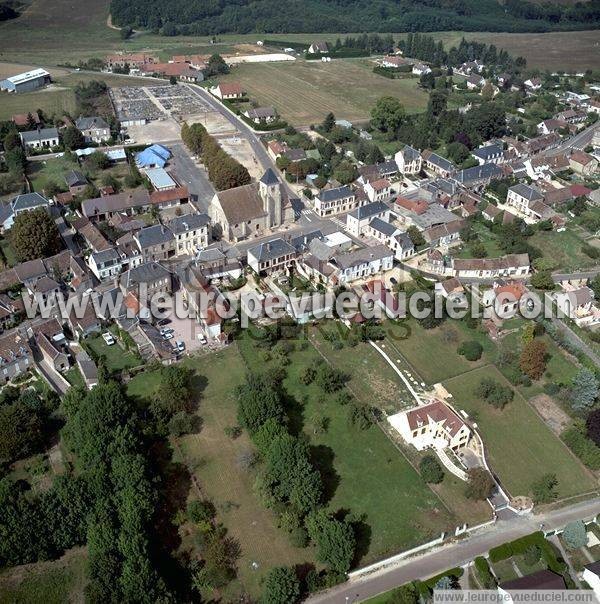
{"points": [[26, 82]]}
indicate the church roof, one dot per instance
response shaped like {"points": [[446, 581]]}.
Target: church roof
{"points": [[269, 177]]}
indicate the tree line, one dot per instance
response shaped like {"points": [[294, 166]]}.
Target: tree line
{"points": [[223, 170]]}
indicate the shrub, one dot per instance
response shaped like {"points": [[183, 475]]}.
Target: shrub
{"points": [[199, 512], [532, 555], [575, 535], [484, 573], [481, 484], [544, 489], [471, 350], [494, 392], [431, 469], [583, 447]]}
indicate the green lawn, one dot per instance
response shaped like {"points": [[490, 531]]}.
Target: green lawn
{"points": [[74, 377], [564, 249], [116, 358], [53, 582], [432, 353], [520, 447], [364, 473]]}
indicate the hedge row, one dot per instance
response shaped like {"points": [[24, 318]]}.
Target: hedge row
{"points": [[583, 447], [488, 581], [518, 547]]}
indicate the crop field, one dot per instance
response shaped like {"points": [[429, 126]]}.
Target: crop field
{"points": [[305, 91]]}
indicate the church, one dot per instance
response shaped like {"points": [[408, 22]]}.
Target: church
{"points": [[251, 210]]}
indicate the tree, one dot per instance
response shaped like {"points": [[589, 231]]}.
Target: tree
{"points": [[126, 32], [457, 152], [328, 123], [281, 586], [406, 594], [431, 469], [415, 236], [334, 538], [480, 484], [592, 424], [575, 535], [444, 583], [257, 403], [543, 490], [15, 444], [72, 138], [329, 379], [98, 161], [542, 280], [471, 350], [216, 66], [172, 80], [494, 392], [584, 389], [34, 235], [388, 114], [533, 359]]}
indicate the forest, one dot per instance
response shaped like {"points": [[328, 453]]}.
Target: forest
{"points": [[199, 17]]}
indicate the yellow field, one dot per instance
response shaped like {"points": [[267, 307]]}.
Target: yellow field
{"points": [[305, 91]]}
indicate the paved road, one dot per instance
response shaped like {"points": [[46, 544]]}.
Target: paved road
{"points": [[579, 141], [191, 175], [456, 554], [587, 274]]}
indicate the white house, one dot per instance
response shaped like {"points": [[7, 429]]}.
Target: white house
{"points": [[433, 425], [191, 233], [358, 220], [533, 84], [420, 69], [333, 201], [42, 138], [105, 264], [362, 263], [578, 304], [378, 190], [94, 129], [512, 265], [26, 202], [408, 160], [523, 198], [271, 256], [227, 91], [591, 575]]}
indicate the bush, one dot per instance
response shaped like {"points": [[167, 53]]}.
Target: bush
{"points": [[484, 573], [583, 447], [431, 469], [471, 350], [494, 393], [575, 535], [544, 489], [360, 416], [532, 555], [481, 484], [519, 546], [200, 512]]}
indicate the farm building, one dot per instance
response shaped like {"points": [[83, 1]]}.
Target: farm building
{"points": [[26, 82]]}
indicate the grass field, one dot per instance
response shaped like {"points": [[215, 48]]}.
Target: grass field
{"points": [[363, 471], [55, 582], [433, 352], [521, 448], [562, 248], [305, 91]]}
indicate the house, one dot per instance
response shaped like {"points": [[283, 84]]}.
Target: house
{"points": [[491, 212], [408, 160], [443, 234], [91, 235], [433, 425], [105, 264], [151, 277], [129, 60], [88, 322], [437, 164], [475, 81], [478, 177], [169, 197], [578, 304], [505, 297], [94, 129], [522, 197], [542, 143], [45, 291], [420, 69], [318, 48], [378, 190], [51, 342], [358, 219], [88, 368], [76, 181], [26, 202], [394, 62], [591, 575], [362, 263], [227, 91], [533, 84], [551, 125], [271, 256], [453, 290], [333, 201], [181, 71], [540, 580], [511, 265], [583, 163], [489, 154], [402, 245], [251, 209], [26, 81], [156, 242], [259, 115], [191, 233], [11, 311], [42, 138], [128, 202], [16, 356], [276, 149], [571, 116]]}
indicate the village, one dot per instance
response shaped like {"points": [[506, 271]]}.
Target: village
{"points": [[187, 185]]}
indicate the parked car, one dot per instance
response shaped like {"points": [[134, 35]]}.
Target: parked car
{"points": [[108, 338], [166, 330], [180, 346], [168, 336], [202, 338]]}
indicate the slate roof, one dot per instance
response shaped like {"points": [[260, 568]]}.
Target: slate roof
{"points": [[38, 135], [106, 256], [28, 200], [75, 178], [337, 193], [270, 250], [91, 123], [409, 153], [489, 151], [154, 235], [437, 160], [269, 178], [144, 273], [385, 228], [527, 192], [476, 173], [189, 222], [369, 210], [363, 255]]}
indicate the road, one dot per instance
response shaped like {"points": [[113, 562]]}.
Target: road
{"points": [[579, 141], [455, 554], [575, 340], [191, 175]]}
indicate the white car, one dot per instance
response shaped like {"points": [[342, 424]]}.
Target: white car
{"points": [[166, 330], [168, 336], [180, 346], [108, 338], [202, 338]]}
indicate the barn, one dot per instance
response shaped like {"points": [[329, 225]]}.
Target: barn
{"points": [[26, 82]]}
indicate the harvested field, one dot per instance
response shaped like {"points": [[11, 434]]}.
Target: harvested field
{"points": [[305, 91]]}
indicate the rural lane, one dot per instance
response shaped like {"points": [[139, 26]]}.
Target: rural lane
{"points": [[455, 554]]}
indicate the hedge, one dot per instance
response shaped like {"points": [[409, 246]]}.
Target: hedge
{"points": [[425, 587], [488, 581], [583, 447], [518, 547]]}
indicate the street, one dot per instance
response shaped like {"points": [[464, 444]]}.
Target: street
{"points": [[454, 554], [191, 175]]}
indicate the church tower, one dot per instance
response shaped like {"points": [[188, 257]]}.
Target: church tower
{"points": [[269, 189]]}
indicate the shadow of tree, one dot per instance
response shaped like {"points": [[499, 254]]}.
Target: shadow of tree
{"points": [[322, 458]]}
